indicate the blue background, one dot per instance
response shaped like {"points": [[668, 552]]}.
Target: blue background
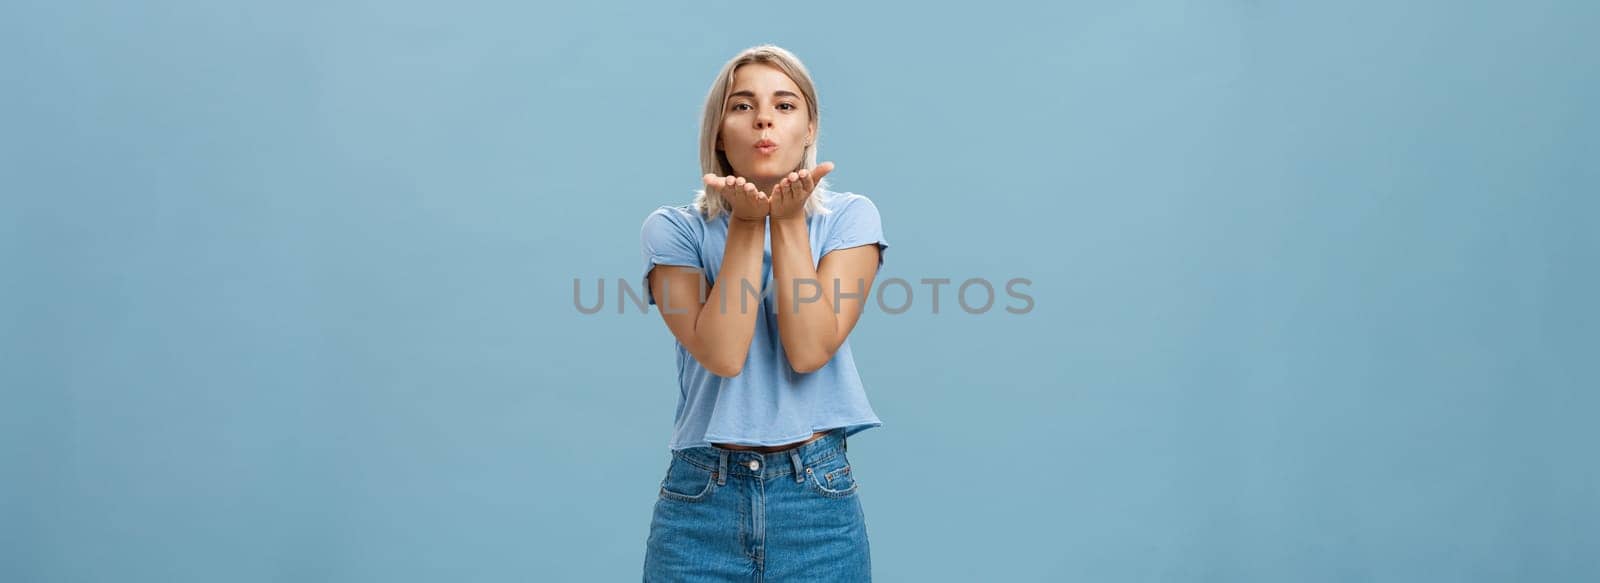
{"points": [[288, 289]]}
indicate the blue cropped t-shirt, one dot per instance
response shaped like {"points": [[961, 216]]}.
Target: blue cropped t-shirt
{"points": [[767, 403]]}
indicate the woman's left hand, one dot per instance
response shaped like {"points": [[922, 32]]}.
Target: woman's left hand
{"points": [[789, 196]]}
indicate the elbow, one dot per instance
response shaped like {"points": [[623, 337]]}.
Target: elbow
{"points": [[723, 361], [724, 366], [808, 363], [726, 369]]}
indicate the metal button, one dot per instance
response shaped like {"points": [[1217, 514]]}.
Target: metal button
{"points": [[755, 465]]}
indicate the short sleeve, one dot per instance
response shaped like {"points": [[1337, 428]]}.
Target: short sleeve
{"points": [[666, 239], [857, 224]]}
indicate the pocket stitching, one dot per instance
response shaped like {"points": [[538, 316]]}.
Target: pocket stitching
{"points": [[836, 473], [817, 486], [704, 493]]}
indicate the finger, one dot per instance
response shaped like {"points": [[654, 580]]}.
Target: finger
{"points": [[752, 194], [806, 182], [712, 181], [821, 170]]}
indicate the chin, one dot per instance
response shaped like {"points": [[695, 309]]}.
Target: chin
{"points": [[775, 169], [768, 169]]}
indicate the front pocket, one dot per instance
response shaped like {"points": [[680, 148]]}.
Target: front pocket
{"points": [[832, 478], [687, 482]]}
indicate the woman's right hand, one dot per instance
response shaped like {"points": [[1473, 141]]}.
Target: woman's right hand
{"points": [[748, 203]]}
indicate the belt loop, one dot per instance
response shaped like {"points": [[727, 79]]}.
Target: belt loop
{"points": [[722, 467], [799, 468]]}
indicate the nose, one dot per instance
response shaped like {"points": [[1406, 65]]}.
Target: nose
{"points": [[764, 119]]}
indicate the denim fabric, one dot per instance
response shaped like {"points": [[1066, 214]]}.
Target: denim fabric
{"points": [[793, 516]]}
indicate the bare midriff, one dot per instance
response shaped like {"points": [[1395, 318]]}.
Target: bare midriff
{"points": [[771, 448]]}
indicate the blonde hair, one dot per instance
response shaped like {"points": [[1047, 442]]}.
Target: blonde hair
{"points": [[715, 162]]}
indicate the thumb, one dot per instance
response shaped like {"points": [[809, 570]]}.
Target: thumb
{"points": [[821, 170]]}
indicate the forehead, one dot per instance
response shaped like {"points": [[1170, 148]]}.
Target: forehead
{"points": [[763, 79]]}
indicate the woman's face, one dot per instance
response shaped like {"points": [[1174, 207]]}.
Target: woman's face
{"points": [[765, 127]]}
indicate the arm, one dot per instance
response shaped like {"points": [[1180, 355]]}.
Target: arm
{"points": [[719, 337], [811, 331]]}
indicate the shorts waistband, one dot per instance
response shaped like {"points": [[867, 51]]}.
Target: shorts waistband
{"points": [[788, 462]]}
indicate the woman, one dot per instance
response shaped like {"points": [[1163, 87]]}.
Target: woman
{"points": [[760, 281]]}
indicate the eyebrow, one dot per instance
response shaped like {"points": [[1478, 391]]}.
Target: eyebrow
{"points": [[752, 94]]}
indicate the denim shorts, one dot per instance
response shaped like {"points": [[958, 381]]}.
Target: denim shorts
{"points": [[729, 515]]}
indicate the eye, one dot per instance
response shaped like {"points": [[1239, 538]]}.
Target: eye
{"points": [[736, 106], [786, 104]]}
